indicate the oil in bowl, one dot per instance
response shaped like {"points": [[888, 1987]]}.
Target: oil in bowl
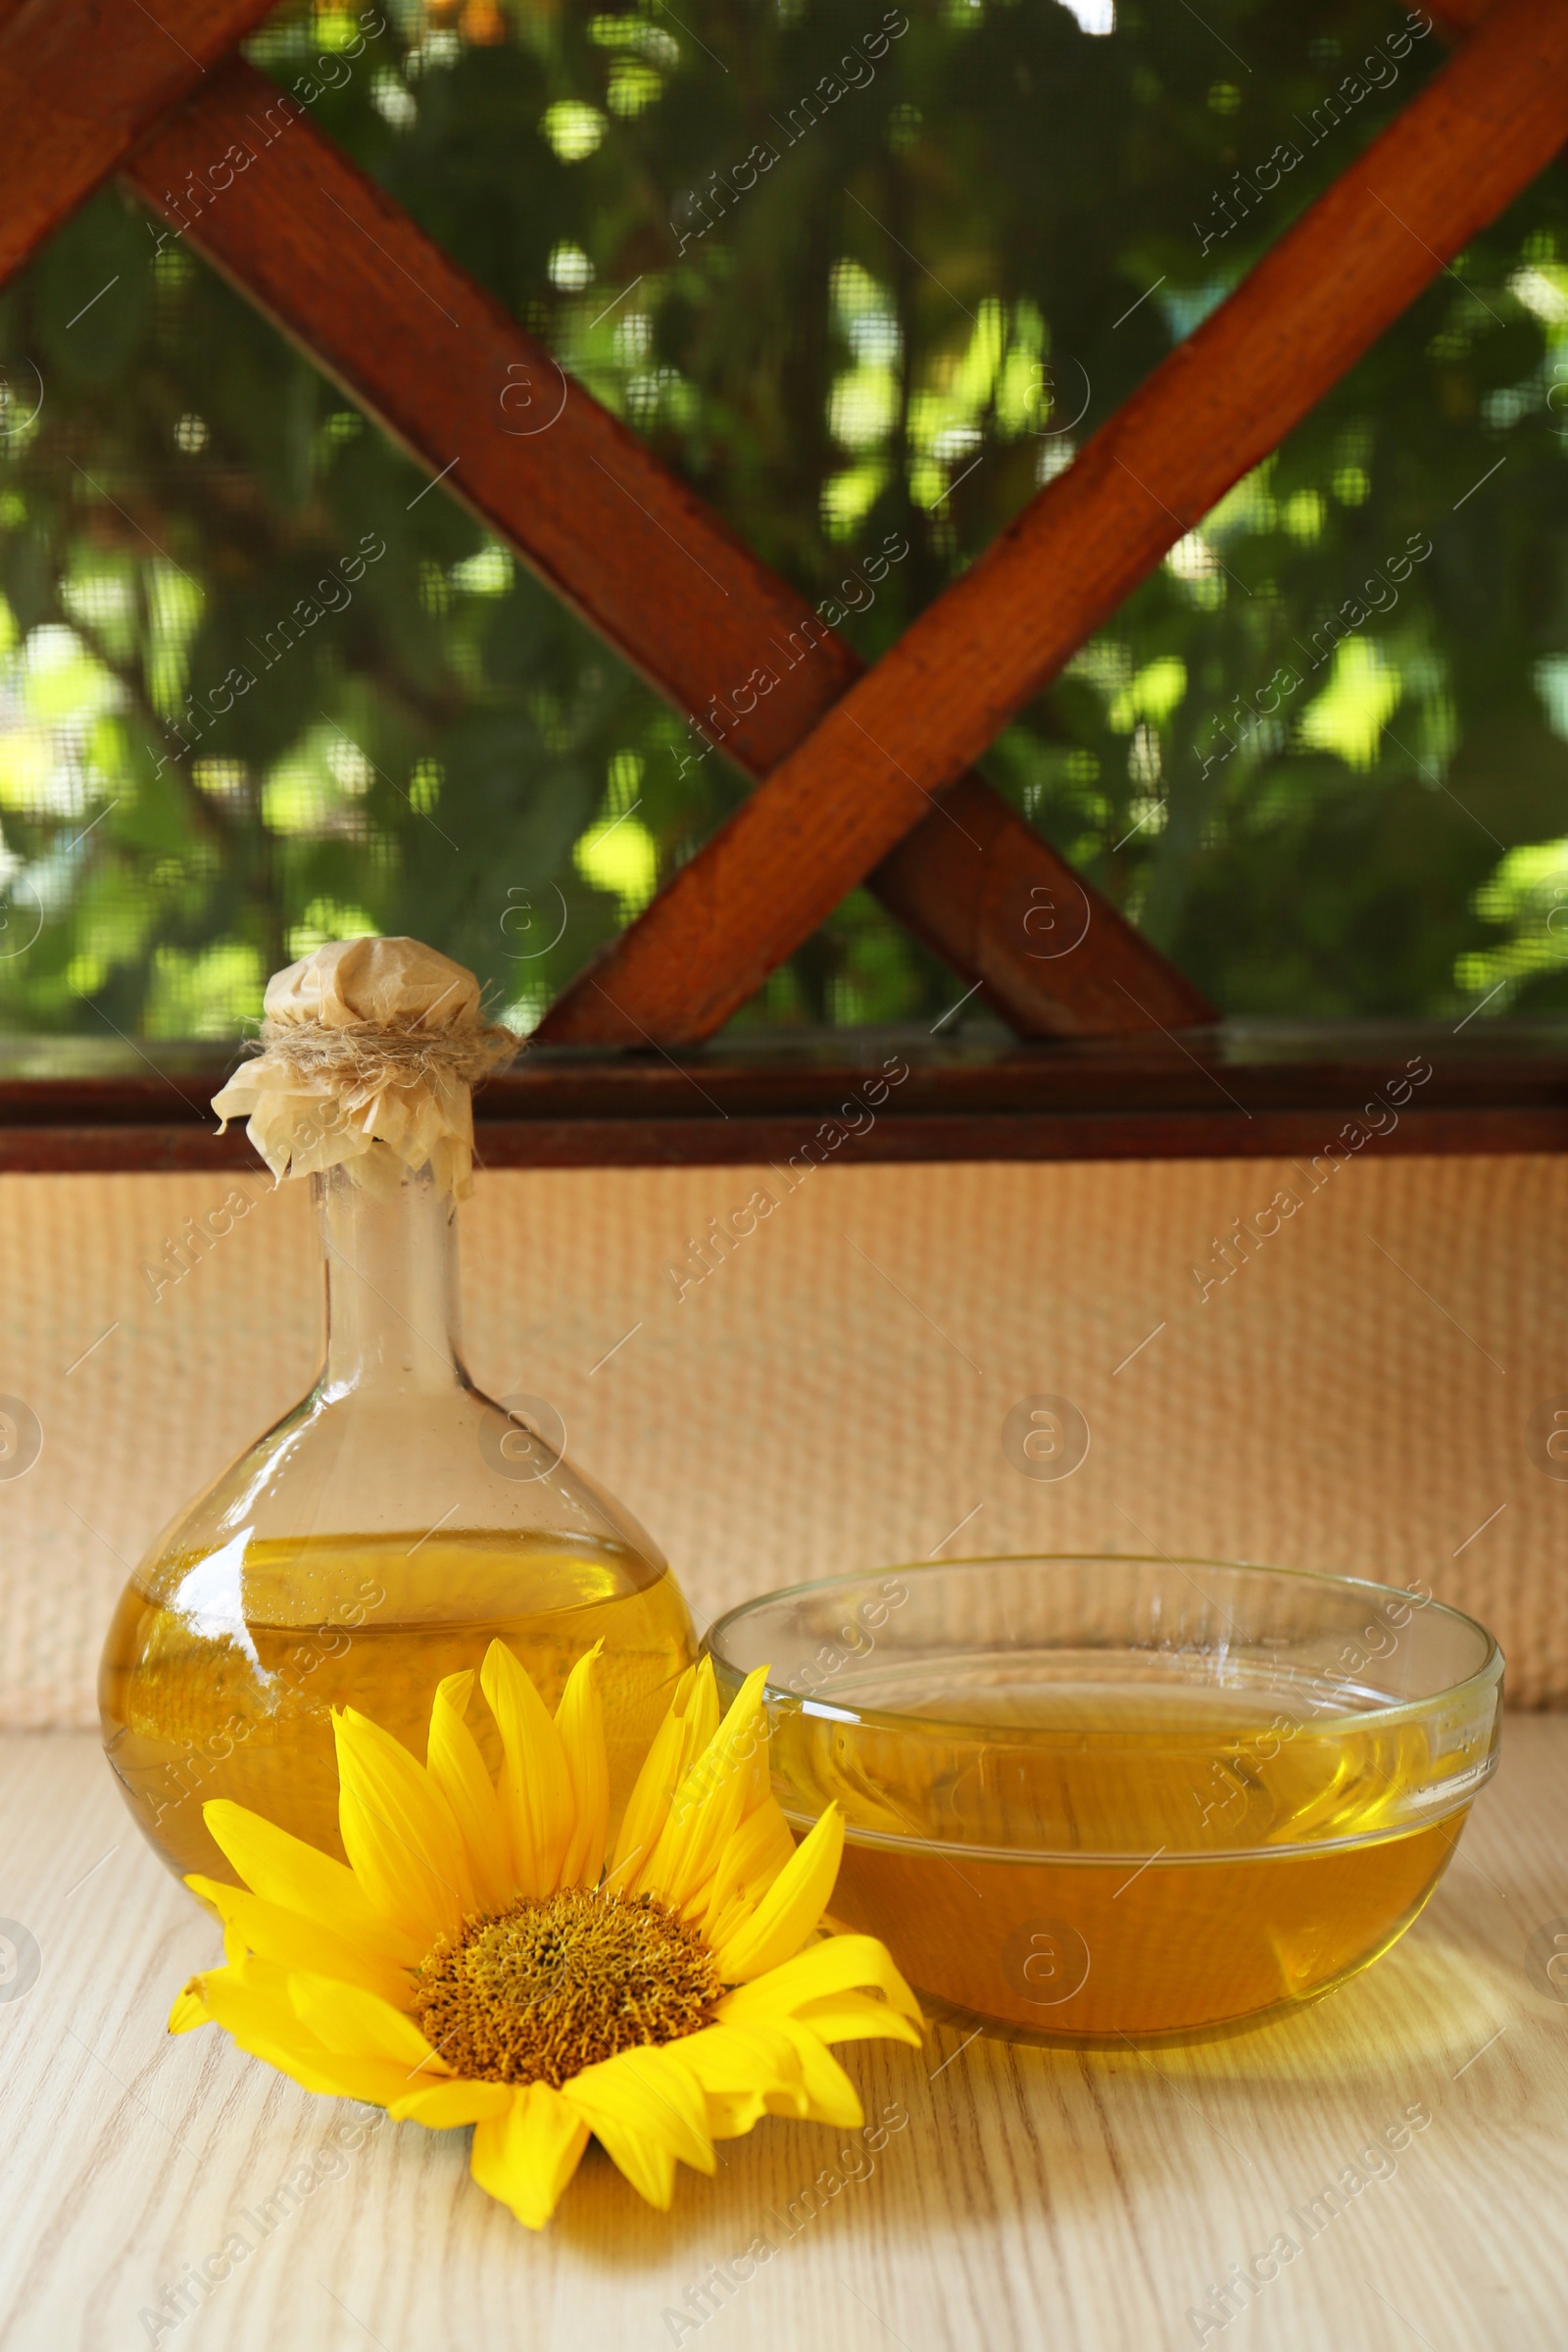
{"points": [[1097, 1797]]}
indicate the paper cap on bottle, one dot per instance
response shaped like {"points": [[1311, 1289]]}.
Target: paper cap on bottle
{"points": [[370, 1049]]}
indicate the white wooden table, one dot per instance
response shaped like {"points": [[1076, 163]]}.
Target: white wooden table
{"points": [[1082, 2201]]}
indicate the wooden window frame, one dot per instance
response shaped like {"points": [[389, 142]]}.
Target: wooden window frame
{"points": [[860, 775], [853, 1098]]}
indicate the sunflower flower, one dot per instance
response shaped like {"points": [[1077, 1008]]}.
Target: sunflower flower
{"points": [[476, 1962]]}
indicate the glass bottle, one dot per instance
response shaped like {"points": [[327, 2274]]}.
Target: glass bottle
{"points": [[372, 1542]]}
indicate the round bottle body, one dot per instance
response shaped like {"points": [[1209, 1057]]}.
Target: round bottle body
{"points": [[220, 1671], [378, 1539]]}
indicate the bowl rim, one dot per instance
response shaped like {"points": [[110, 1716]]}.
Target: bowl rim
{"points": [[1490, 1671]]}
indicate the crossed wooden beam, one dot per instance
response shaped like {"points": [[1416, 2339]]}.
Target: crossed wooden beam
{"points": [[862, 775]]}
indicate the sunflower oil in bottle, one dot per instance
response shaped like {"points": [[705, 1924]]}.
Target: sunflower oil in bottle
{"points": [[389, 1527], [220, 1673]]}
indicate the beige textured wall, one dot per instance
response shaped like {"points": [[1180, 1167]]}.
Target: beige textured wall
{"points": [[833, 1396]]}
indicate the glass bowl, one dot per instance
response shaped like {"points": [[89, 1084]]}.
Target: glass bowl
{"points": [[1094, 1796]]}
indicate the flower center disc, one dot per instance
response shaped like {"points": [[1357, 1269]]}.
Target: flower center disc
{"points": [[537, 1992]]}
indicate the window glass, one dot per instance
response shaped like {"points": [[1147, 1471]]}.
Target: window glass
{"points": [[866, 278]]}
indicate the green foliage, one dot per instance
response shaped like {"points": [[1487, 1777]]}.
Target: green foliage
{"points": [[854, 272]]}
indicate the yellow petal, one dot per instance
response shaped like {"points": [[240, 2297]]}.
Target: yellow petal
{"points": [[535, 1793], [755, 1855], [190, 2008], [732, 2114], [253, 2004], [708, 1805], [647, 2163], [640, 2100], [700, 1719], [838, 1964], [648, 1807], [580, 1722], [856, 2016], [399, 1831], [833, 2096], [351, 2023], [458, 1769], [684, 1735], [283, 1869], [791, 1907], [272, 1933], [746, 2073], [439, 2106], [253, 1996], [525, 2155]]}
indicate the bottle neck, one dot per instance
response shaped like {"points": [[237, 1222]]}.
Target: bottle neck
{"points": [[392, 1308]]}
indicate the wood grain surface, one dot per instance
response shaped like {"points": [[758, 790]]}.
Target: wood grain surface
{"points": [[1463, 149], [1034, 2196], [340, 267], [80, 81]]}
